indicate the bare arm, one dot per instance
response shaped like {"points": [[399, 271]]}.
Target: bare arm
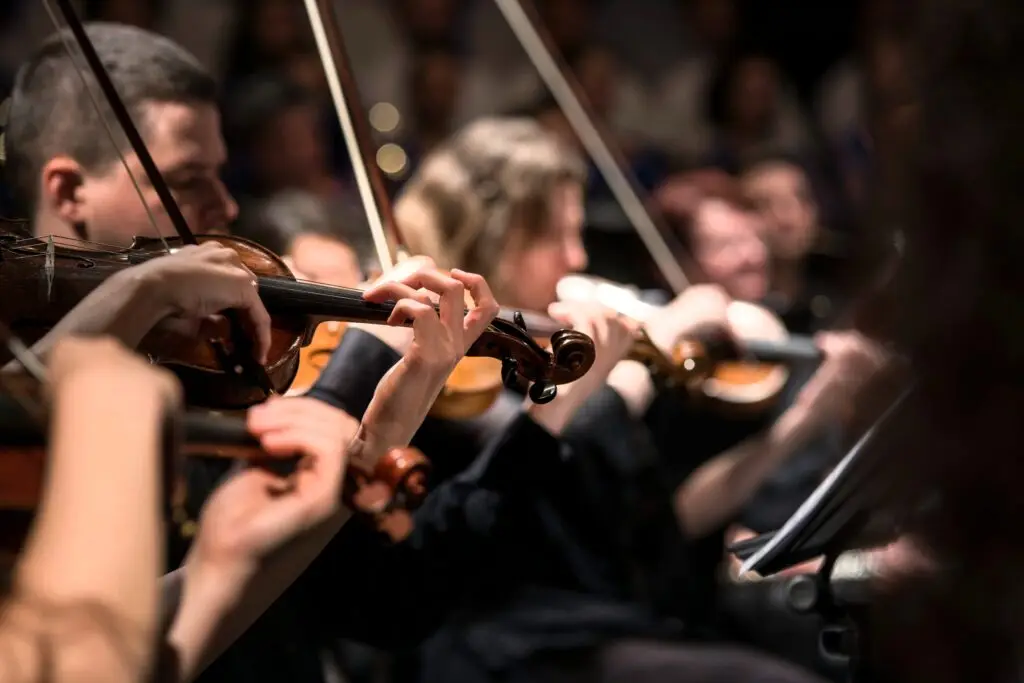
{"points": [[125, 307], [83, 604], [214, 612], [719, 488]]}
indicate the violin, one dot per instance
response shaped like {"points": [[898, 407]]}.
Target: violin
{"points": [[42, 282], [381, 493], [743, 380], [478, 379]]}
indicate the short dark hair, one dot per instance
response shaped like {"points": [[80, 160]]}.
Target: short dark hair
{"points": [[53, 113]]}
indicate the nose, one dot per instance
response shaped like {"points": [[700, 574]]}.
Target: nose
{"points": [[575, 255], [225, 208]]}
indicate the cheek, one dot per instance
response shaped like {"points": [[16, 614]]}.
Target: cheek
{"points": [[531, 277]]}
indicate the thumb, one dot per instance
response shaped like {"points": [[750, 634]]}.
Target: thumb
{"points": [[561, 311]]}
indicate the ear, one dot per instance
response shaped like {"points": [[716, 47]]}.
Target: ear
{"points": [[61, 189]]}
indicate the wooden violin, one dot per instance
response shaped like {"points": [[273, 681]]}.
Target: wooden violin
{"points": [[380, 492], [744, 380], [42, 282], [479, 378]]}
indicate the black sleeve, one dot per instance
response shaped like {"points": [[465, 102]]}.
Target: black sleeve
{"points": [[394, 595], [604, 427], [353, 372]]}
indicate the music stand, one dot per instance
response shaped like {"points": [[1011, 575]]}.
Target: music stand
{"points": [[835, 518]]}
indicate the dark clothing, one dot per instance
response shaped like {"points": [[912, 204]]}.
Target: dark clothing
{"points": [[645, 661], [606, 559], [786, 488], [363, 587]]}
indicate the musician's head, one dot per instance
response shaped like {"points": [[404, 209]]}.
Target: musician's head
{"points": [[67, 169], [307, 230], [721, 232], [276, 125], [504, 198], [780, 191]]}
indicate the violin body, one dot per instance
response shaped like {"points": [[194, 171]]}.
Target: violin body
{"points": [[715, 375], [746, 387], [471, 389], [313, 357], [42, 282]]}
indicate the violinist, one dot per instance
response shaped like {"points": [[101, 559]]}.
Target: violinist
{"points": [[802, 261], [97, 611], [590, 599], [717, 222], [360, 586]]}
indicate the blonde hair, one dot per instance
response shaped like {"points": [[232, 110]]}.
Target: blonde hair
{"points": [[492, 178]]}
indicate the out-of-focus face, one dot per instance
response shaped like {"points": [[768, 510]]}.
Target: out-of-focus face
{"points": [[532, 266], [186, 145], [438, 87], [754, 93], [327, 260], [292, 151], [782, 195], [729, 250], [597, 73]]}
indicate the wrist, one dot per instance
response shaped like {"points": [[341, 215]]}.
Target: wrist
{"points": [[790, 431], [148, 291], [209, 594], [632, 381], [554, 416]]}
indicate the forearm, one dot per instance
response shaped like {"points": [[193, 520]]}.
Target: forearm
{"points": [[718, 489], [126, 307], [97, 537], [460, 537], [216, 608], [632, 381]]}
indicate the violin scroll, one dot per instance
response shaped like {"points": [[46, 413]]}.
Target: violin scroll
{"points": [[396, 482]]}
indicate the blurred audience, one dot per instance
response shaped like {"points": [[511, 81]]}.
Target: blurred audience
{"points": [[746, 107], [433, 90], [278, 131]]}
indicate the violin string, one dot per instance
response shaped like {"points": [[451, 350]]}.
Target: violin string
{"points": [[28, 360], [62, 32]]}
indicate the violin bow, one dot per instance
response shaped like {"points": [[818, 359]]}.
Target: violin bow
{"points": [[240, 357], [522, 19], [355, 128]]}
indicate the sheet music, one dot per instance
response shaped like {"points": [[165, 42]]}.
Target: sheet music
{"points": [[820, 494]]}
